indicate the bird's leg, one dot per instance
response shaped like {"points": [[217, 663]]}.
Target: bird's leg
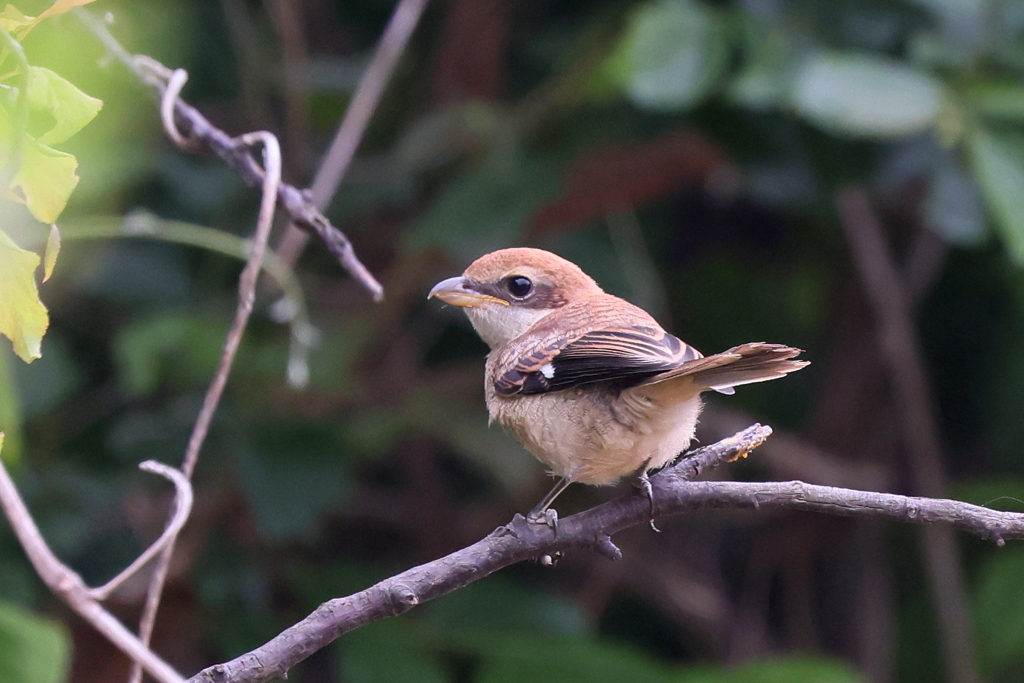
{"points": [[541, 513], [643, 482]]}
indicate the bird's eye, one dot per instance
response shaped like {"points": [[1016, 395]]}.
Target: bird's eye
{"points": [[519, 286]]}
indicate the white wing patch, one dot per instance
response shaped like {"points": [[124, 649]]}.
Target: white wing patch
{"points": [[548, 370]]}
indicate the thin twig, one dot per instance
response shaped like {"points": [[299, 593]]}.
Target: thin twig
{"points": [[287, 16], [903, 361], [346, 141], [182, 509], [246, 298], [70, 587], [175, 84], [293, 201], [674, 492]]}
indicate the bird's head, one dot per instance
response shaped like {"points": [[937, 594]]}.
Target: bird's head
{"points": [[507, 292]]}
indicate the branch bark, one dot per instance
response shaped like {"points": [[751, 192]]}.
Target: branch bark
{"points": [[293, 201], [393, 41], [67, 584], [246, 298], [674, 492]]}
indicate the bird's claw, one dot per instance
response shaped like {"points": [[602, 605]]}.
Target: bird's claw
{"points": [[548, 517], [643, 482]]}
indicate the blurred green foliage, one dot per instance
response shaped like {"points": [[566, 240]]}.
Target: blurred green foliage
{"points": [[32, 650], [687, 154]]}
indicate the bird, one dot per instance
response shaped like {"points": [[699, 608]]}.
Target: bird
{"points": [[587, 382]]}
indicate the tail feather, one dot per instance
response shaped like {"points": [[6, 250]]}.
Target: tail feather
{"points": [[744, 364]]}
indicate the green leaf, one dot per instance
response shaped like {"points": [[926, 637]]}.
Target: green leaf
{"points": [[1003, 101], [386, 652], [671, 55], [52, 250], [12, 19], [32, 650], [18, 24], [23, 318], [70, 108], [62, 6], [46, 179], [865, 95], [997, 158]]}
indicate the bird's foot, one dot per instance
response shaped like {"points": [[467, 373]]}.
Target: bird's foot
{"points": [[548, 516], [643, 482]]}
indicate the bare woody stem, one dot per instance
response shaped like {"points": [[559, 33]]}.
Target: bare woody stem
{"points": [[204, 135], [246, 299], [900, 350], [70, 587], [674, 493], [342, 150]]}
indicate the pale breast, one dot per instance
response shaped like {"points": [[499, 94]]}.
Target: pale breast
{"points": [[597, 434]]}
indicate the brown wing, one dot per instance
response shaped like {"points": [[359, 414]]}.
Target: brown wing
{"points": [[743, 364], [627, 347]]}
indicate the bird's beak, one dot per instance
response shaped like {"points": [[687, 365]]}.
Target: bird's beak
{"points": [[458, 292]]}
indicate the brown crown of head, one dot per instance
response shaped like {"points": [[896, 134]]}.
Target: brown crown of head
{"points": [[555, 275]]}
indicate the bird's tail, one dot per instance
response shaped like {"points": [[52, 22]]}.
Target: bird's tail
{"points": [[744, 364]]}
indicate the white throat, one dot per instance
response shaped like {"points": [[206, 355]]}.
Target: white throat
{"points": [[497, 325]]}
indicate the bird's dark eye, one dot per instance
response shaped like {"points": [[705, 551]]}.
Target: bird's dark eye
{"points": [[519, 286]]}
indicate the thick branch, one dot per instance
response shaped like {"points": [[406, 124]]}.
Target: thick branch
{"points": [[674, 492]]}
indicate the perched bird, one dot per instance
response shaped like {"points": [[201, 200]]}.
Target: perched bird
{"points": [[588, 383]]}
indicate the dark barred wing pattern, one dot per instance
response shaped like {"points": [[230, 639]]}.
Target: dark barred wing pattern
{"points": [[628, 356]]}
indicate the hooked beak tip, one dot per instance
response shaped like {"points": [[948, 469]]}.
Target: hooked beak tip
{"points": [[451, 285], [458, 292]]}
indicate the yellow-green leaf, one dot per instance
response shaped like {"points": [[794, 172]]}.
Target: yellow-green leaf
{"points": [[69, 107], [23, 318], [12, 19], [46, 180], [35, 650], [18, 24], [52, 250], [62, 6]]}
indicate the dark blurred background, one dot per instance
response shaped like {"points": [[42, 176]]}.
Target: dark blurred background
{"points": [[714, 162]]}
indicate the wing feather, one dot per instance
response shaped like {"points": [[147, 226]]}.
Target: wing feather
{"points": [[627, 355]]}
